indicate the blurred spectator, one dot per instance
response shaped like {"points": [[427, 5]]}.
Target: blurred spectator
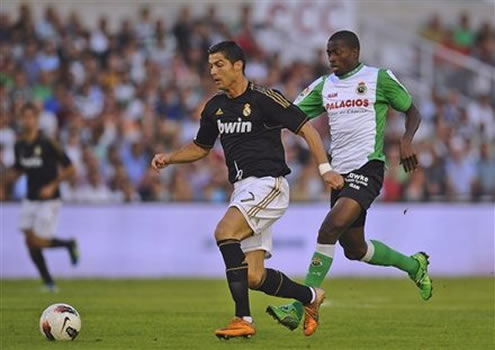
{"points": [[394, 178], [95, 191], [7, 141], [49, 26], [485, 186], [482, 116], [99, 41], [183, 31], [461, 171], [135, 161], [463, 34], [434, 30]]}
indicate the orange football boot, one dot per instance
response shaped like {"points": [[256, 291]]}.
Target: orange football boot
{"points": [[311, 313], [236, 328]]}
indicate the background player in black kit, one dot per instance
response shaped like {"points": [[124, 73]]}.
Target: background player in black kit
{"points": [[40, 159], [249, 119]]}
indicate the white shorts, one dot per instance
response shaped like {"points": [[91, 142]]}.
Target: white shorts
{"points": [[40, 216], [262, 201]]}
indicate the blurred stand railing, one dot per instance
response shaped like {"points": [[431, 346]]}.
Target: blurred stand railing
{"points": [[424, 66]]}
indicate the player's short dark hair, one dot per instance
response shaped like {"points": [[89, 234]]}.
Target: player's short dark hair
{"points": [[349, 38], [29, 106], [230, 50]]}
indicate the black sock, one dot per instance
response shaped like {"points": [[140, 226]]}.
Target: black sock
{"points": [[237, 274], [279, 285], [55, 242], [39, 261]]}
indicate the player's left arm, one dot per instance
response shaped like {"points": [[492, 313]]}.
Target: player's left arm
{"points": [[408, 155], [278, 109], [66, 170], [399, 98]]}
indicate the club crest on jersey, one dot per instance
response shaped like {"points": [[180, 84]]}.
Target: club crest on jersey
{"points": [[361, 88], [316, 262], [246, 110], [37, 151]]}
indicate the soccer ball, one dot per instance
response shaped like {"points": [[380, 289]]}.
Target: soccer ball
{"points": [[60, 322]]}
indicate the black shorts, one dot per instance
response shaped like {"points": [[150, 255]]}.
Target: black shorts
{"points": [[363, 185]]}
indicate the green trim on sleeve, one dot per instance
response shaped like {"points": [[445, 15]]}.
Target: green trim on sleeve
{"points": [[393, 91], [310, 100]]}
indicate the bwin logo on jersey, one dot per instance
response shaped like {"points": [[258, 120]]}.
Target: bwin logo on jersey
{"points": [[234, 127], [31, 162]]}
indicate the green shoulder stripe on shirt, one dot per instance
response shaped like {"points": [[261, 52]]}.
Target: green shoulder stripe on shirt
{"points": [[310, 100], [393, 91]]}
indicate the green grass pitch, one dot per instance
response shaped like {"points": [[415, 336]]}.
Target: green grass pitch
{"points": [[182, 314]]}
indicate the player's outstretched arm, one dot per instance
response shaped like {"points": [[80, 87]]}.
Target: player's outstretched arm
{"points": [[408, 156], [187, 154], [312, 138]]}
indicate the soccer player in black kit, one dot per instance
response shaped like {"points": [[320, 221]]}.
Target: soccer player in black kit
{"points": [[249, 118], [40, 159]]}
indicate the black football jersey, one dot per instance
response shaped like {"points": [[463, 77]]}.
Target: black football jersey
{"points": [[250, 131], [39, 160]]}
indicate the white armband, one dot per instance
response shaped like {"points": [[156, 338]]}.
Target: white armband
{"points": [[324, 168]]}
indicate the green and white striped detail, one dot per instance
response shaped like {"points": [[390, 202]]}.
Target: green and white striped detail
{"points": [[357, 106]]}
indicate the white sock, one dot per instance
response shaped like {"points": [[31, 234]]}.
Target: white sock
{"points": [[370, 251], [326, 249], [313, 293], [247, 319]]}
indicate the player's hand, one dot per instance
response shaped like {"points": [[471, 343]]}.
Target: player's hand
{"points": [[333, 179], [160, 161], [48, 191], [408, 157]]}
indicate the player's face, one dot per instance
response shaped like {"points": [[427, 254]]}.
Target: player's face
{"points": [[341, 57], [29, 120], [223, 72]]}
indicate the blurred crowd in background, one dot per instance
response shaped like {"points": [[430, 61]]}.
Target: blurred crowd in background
{"points": [[114, 98]]}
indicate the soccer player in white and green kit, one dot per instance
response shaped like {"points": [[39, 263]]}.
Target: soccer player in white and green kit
{"points": [[356, 98]]}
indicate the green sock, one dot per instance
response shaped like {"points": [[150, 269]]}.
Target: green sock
{"points": [[383, 255], [318, 269]]}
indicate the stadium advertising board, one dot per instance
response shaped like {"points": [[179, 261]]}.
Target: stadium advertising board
{"points": [[173, 240]]}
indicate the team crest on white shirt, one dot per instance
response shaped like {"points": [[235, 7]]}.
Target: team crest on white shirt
{"points": [[361, 88]]}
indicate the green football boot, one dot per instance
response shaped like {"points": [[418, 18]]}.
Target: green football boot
{"points": [[421, 278], [286, 315]]}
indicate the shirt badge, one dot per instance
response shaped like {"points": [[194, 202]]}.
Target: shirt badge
{"points": [[361, 88], [247, 110]]}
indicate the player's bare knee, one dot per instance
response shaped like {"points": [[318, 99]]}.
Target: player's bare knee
{"points": [[354, 253], [255, 278], [222, 232], [339, 224], [327, 234], [31, 241]]}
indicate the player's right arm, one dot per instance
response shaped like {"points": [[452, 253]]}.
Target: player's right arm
{"points": [[187, 154], [193, 151]]}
